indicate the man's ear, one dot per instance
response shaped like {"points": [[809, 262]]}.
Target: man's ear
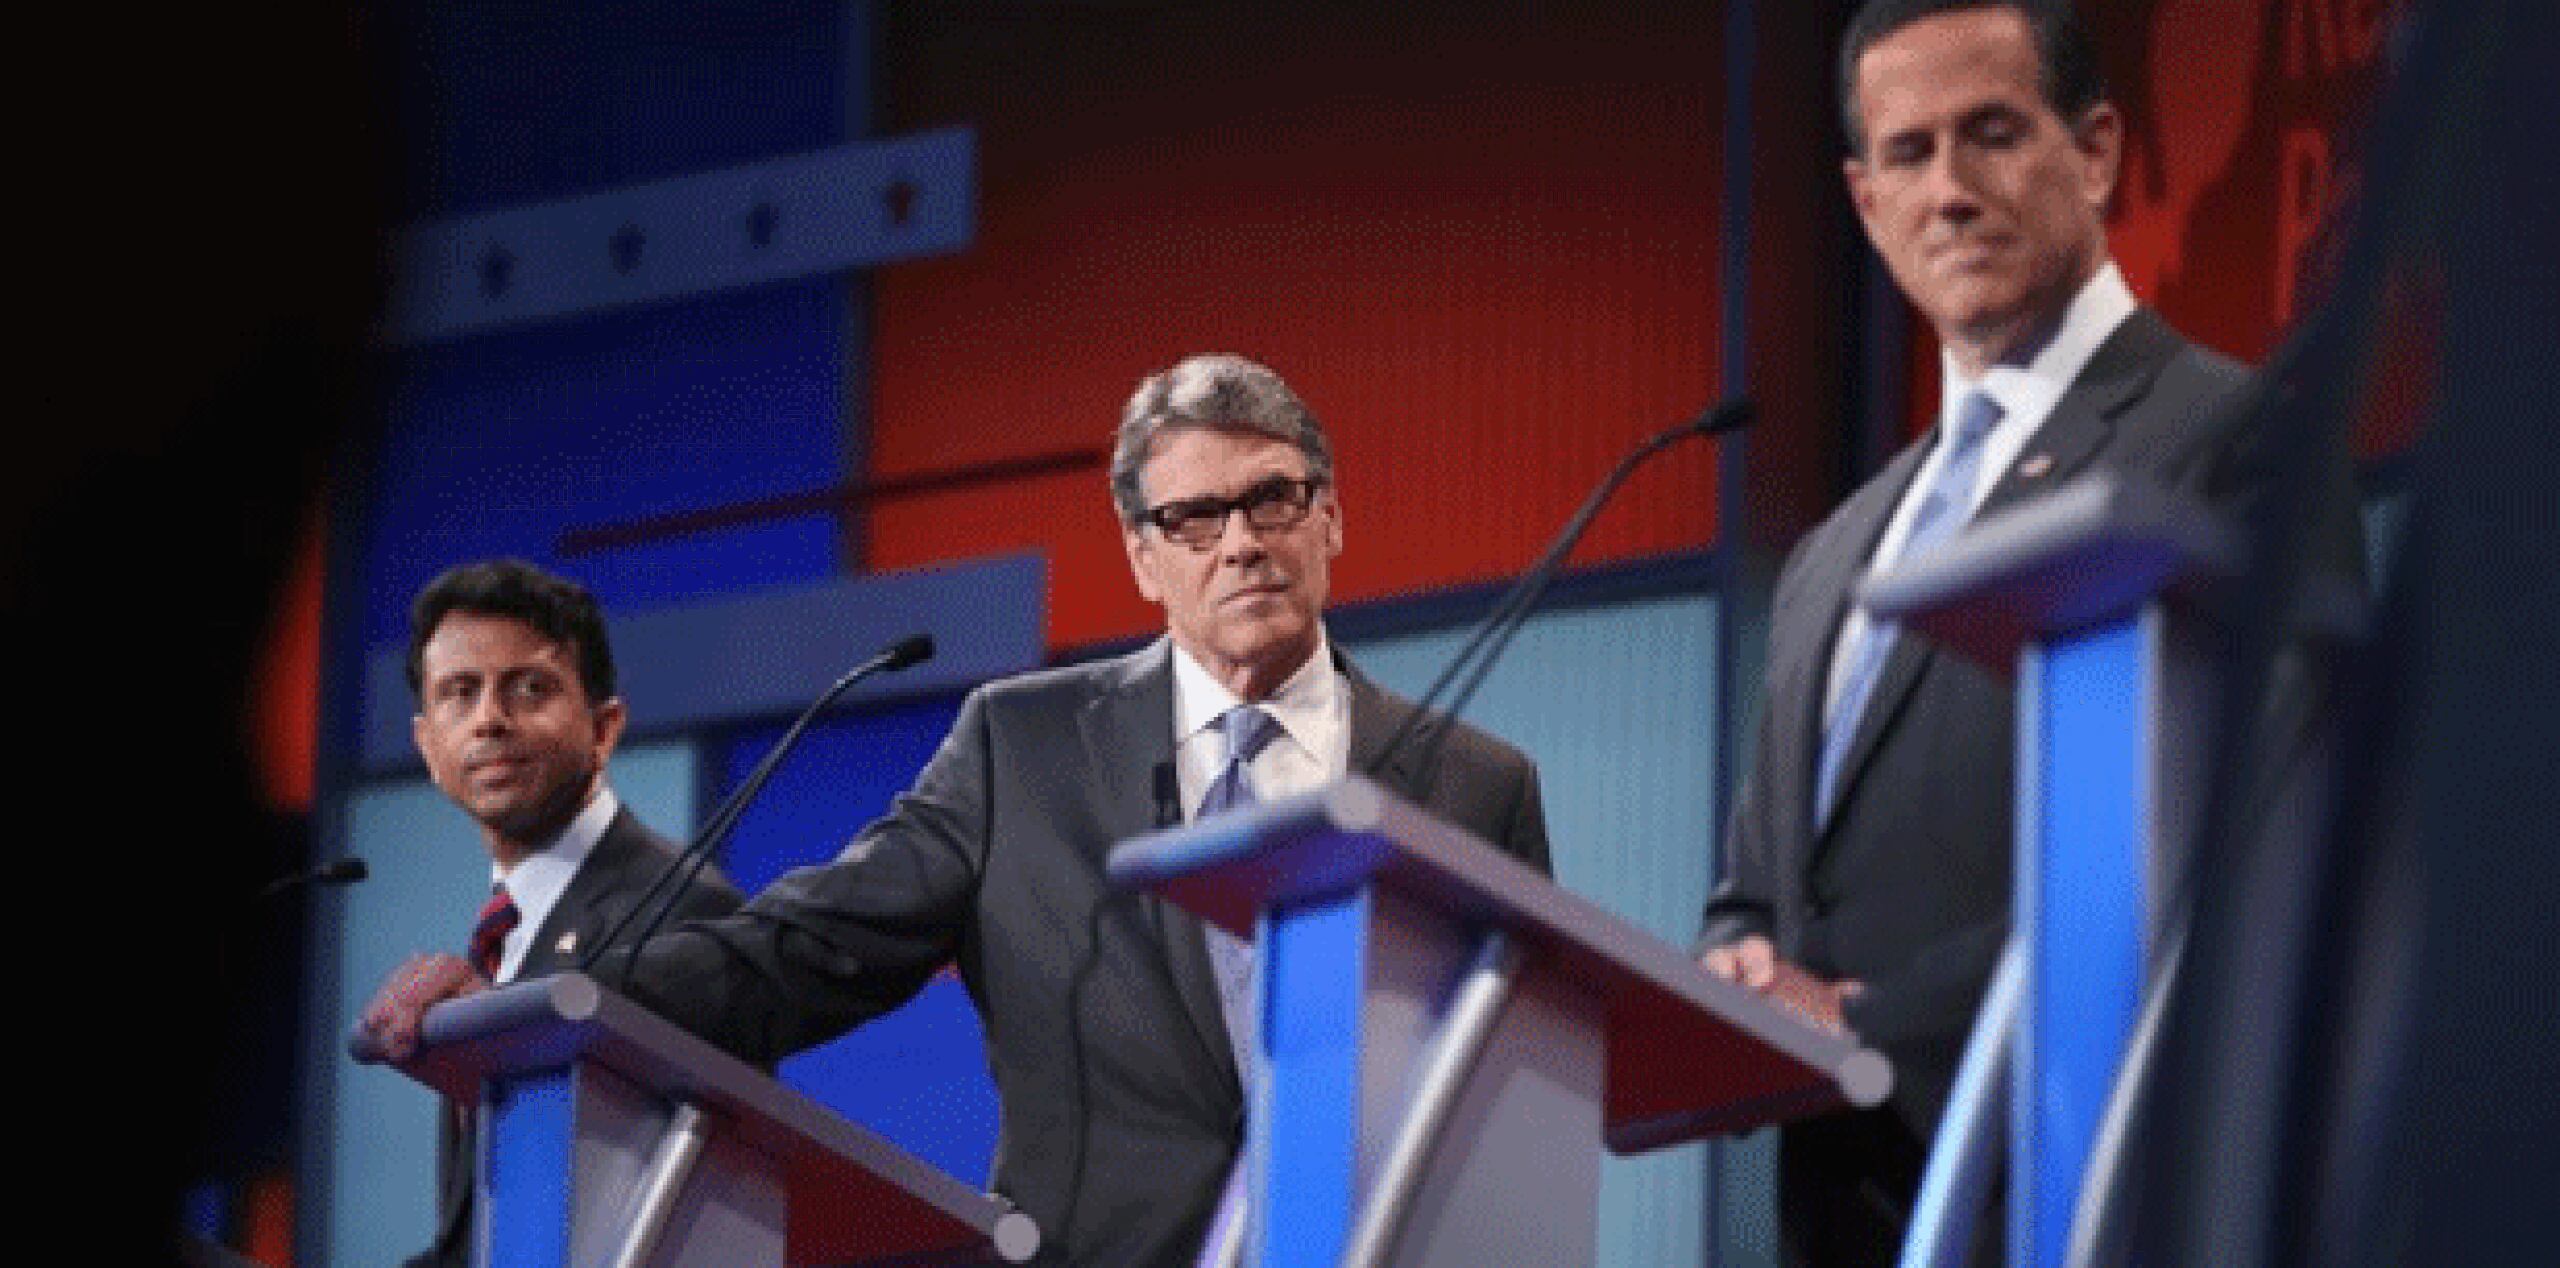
{"points": [[1862, 194], [611, 717], [2099, 138]]}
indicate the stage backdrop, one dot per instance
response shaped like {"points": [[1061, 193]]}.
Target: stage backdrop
{"points": [[2242, 121], [1480, 241]]}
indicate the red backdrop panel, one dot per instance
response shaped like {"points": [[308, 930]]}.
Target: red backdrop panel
{"points": [[1482, 246]]}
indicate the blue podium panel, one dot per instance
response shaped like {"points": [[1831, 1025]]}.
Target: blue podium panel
{"points": [[2084, 793], [1308, 1092], [526, 1171]]}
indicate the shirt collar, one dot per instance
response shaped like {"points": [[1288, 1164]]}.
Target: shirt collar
{"points": [[2030, 391], [1299, 705], [539, 878]]}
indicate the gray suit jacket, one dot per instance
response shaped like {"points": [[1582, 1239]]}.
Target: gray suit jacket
{"points": [[1120, 1107], [608, 885], [1907, 887]]}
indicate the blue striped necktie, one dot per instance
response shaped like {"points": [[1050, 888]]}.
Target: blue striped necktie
{"points": [[1248, 730], [1944, 507]]}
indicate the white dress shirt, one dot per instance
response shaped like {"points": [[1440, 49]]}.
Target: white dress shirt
{"points": [[2027, 394], [537, 880], [1312, 749]]}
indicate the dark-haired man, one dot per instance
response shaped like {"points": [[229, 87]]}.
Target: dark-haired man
{"points": [[1868, 873], [517, 715], [1113, 1023]]}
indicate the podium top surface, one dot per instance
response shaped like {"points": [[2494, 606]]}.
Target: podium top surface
{"points": [[853, 1194], [2094, 550], [1687, 1054]]}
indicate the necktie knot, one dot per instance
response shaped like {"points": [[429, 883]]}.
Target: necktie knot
{"points": [[498, 918], [1975, 416], [1249, 730]]}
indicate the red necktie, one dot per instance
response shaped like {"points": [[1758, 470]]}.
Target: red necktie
{"points": [[498, 918]]}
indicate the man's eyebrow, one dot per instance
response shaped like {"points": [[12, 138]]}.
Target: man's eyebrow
{"points": [[1991, 111]]}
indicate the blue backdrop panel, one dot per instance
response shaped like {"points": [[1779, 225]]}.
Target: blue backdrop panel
{"points": [[501, 443], [918, 1076], [371, 1137], [520, 103], [1617, 704], [497, 444]]}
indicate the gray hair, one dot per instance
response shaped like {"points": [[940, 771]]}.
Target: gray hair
{"points": [[1214, 390]]}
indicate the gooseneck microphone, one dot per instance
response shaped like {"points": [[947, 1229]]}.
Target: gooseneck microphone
{"points": [[1476, 658], [340, 871], [680, 870]]}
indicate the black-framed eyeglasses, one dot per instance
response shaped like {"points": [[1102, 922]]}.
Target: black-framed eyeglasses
{"points": [[1269, 506]]}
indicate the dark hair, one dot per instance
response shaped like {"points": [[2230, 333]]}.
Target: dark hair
{"points": [[2071, 79], [555, 607]]}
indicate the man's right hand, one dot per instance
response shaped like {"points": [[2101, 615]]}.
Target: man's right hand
{"points": [[393, 1018]]}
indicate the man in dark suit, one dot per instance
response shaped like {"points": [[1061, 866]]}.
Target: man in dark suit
{"points": [[1107, 1017], [517, 715], [1867, 881]]}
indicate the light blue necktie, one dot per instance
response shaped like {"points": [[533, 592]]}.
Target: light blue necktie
{"points": [[1248, 730], [1945, 507]]}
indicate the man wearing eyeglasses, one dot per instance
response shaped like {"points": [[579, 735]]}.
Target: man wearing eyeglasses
{"points": [[1114, 1022]]}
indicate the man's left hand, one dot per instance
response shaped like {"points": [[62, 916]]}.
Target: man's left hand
{"points": [[1819, 999], [1752, 962]]}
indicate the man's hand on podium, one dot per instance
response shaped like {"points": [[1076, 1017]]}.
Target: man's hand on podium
{"points": [[1754, 964], [424, 982]]}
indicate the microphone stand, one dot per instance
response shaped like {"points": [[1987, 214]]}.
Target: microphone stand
{"points": [[1491, 637], [681, 871]]}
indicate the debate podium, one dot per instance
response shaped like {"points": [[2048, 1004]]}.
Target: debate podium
{"points": [[611, 1136], [2100, 600], [1447, 1039]]}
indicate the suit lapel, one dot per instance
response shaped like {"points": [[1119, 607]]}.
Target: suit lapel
{"points": [[600, 875], [2084, 420], [1375, 717], [1127, 729], [1808, 632], [2070, 438]]}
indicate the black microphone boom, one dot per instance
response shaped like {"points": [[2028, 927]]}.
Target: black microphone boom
{"points": [[680, 870], [339, 871], [1486, 645], [914, 649]]}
